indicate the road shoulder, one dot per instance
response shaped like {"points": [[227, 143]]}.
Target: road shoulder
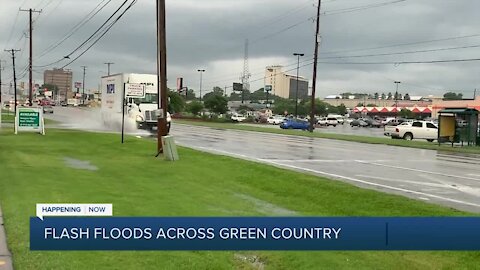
{"points": [[5, 255]]}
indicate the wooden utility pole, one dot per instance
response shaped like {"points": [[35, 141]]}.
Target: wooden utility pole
{"points": [[161, 73], [30, 80], [315, 62], [83, 85], [13, 51], [1, 68]]}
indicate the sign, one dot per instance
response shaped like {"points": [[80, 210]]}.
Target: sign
{"points": [[238, 87], [78, 85], [30, 119], [134, 90], [179, 84], [268, 88], [48, 93]]}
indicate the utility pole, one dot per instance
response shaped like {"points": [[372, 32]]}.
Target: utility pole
{"points": [[315, 63], [296, 92], [13, 51], [201, 72], [161, 73], [1, 68], [396, 97], [108, 67], [30, 80], [83, 85]]}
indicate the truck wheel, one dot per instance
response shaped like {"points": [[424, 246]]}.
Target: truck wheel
{"points": [[408, 136], [430, 140]]}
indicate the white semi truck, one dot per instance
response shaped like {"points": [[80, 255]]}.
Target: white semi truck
{"points": [[142, 111]]}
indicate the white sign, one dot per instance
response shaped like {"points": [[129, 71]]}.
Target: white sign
{"points": [[78, 85], [74, 210], [134, 90], [29, 119], [48, 93]]}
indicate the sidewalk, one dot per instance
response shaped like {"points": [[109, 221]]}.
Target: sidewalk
{"points": [[5, 256]]}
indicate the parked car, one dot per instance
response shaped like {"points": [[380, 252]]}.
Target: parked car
{"points": [[358, 123], [295, 124], [332, 121], [322, 121], [63, 104], [373, 123], [416, 130], [238, 118], [47, 109], [275, 120]]}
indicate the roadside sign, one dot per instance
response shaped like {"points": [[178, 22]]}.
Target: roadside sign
{"points": [[268, 88], [134, 90], [30, 119], [237, 87], [78, 85], [48, 93]]}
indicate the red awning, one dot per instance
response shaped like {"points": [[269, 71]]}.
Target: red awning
{"points": [[356, 110], [384, 110], [416, 110], [374, 110], [427, 110], [394, 109], [365, 110]]}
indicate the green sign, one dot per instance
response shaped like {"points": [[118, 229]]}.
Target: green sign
{"points": [[29, 119]]}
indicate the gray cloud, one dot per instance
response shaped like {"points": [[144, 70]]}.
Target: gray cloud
{"points": [[210, 34]]}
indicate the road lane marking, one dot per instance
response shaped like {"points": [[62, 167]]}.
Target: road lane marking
{"points": [[417, 170], [340, 177]]}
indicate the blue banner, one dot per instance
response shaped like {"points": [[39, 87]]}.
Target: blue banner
{"points": [[254, 233]]}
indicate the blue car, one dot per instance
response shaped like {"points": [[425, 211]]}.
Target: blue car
{"points": [[295, 124]]}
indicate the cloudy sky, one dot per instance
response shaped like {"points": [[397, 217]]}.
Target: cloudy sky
{"points": [[364, 42]]}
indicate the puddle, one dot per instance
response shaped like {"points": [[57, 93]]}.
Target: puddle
{"points": [[79, 164], [253, 261], [266, 207]]}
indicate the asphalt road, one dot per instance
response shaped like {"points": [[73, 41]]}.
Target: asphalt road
{"points": [[446, 179], [443, 178]]}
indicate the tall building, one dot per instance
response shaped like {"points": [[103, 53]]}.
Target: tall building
{"points": [[62, 78], [285, 85]]}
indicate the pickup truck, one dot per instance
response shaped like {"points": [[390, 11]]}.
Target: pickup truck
{"points": [[416, 130]]}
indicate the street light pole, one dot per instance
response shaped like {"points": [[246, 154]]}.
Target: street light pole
{"points": [[201, 72], [396, 97], [296, 92]]}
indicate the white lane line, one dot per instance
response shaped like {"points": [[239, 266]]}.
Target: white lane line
{"points": [[338, 176], [428, 184], [417, 170], [340, 160]]}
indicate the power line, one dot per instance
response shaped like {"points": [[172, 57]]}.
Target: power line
{"points": [[75, 28], [104, 32]]}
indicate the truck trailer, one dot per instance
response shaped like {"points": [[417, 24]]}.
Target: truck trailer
{"points": [[141, 110]]}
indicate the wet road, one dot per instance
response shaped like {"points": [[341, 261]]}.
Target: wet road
{"points": [[446, 179], [442, 178]]}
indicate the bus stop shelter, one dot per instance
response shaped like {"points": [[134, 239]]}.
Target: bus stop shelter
{"points": [[458, 125]]}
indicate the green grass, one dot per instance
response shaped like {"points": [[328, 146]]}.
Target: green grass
{"points": [[342, 137], [200, 184]]}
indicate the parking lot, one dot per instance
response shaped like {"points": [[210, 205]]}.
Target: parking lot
{"points": [[340, 129]]}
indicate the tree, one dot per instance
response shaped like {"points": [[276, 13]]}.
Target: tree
{"points": [[452, 96], [371, 105], [406, 97], [404, 113], [389, 97], [176, 102], [191, 94], [194, 107], [217, 103], [216, 91], [342, 109], [360, 104], [375, 96], [383, 96]]}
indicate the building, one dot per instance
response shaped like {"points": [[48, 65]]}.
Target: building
{"points": [[285, 85], [62, 78], [440, 104]]}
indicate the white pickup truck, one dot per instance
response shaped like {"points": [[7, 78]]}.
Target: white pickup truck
{"points": [[416, 130], [238, 118]]}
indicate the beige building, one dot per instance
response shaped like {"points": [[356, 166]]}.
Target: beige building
{"points": [[285, 85], [440, 104], [62, 78]]}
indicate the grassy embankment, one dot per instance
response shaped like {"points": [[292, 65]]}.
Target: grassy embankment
{"points": [[33, 170]]}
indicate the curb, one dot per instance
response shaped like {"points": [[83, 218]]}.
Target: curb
{"points": [[5, 255]]}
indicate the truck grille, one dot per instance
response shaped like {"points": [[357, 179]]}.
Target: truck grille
{"points": [[150, 116]]}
